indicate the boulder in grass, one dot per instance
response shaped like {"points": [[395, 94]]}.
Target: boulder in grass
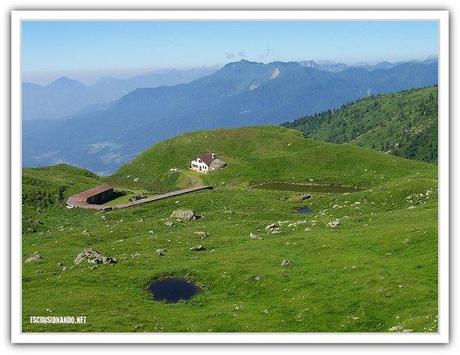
{"points": [[35, 257], [217, 164], [285, 263], [92, 256], [202, 234], [160, 252], [184, 215], [271, 227], [254, 236], [334, 224], [198, 248]]}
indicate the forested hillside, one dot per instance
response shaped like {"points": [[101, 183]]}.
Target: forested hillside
{"points": [[404, 124]]}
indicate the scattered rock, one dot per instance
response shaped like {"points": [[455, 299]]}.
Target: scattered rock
{"points": [[254, 236], [396, 328], [198, 248], [285, 263], [35, 257], [169, 224], [186, 215], [303, 197], [93, 256], [334, 223], [202, 234], [160, 252], [296, 224], [61, 266], [217, 164], [270, 227]]}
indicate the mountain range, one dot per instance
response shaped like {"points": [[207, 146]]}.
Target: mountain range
{"points": [[241, 93], [65, 97]]}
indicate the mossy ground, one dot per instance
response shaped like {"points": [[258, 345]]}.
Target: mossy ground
{"points": [[376, 271]]}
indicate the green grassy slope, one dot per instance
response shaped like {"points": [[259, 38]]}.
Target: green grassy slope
{"points": [[264, 154], [377, 271], [404, 124]]}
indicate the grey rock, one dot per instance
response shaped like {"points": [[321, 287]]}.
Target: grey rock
{"points": [[160, 252], [62, 266], [217, 164], [202, 234], [185, 215], [270, 227], [198, 248], [285, 263], [254, 236], [93, 256], [35, 257], [333, 224], [169, 224]]}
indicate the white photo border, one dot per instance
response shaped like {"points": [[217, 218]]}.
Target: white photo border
{"points": [[442, 336]]}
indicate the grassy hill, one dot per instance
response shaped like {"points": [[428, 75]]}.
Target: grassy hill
{"points": [[261, 154], [375, 272], [404, 124]]}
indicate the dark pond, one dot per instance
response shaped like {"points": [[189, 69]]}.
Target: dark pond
{"points": [[173, 290], [304, 210], [283, 186]]}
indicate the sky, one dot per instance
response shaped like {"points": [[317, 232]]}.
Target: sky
{"points": [[90, 49]]}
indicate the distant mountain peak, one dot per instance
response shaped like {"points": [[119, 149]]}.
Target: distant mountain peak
{"points": [[64, 81], [245, 61], [242, 62]]}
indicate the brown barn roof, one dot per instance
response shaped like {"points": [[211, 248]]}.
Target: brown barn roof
{"points": [[207, 158], [82, 197]]}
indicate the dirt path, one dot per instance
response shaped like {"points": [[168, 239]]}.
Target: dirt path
{"points": [[141, 201], [163, 196]]}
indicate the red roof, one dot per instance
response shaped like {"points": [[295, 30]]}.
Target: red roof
{"points": [[82, 197], [207, 158]]}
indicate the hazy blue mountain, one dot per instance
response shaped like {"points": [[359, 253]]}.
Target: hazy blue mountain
{"points": [[335, 67], [112, 88], [324, 65], [240, 94], [64, 97], [55, 100]]}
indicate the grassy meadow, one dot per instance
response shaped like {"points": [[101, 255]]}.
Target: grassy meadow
{"points": [[375, 272]]}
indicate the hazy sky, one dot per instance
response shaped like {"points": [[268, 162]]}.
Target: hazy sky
{"points": [[94, 48]]}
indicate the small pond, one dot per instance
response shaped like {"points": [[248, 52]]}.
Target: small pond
{"points": [[173, 290], [283, 186], [304, 210]]}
